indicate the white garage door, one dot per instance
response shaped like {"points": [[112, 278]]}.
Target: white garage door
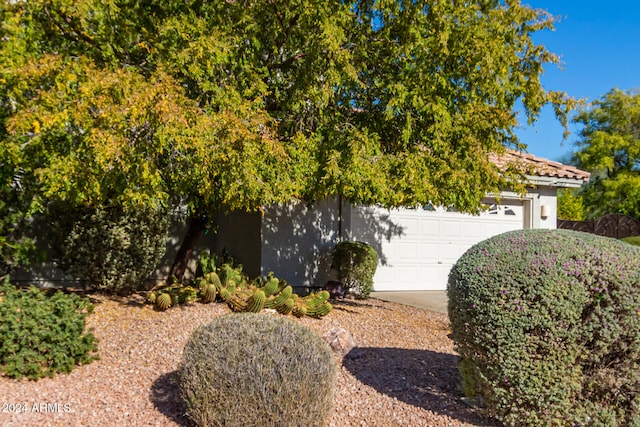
{"points": [[417, 248]]}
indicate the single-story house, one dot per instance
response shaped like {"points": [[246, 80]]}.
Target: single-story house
{"points": [[416, 247]]}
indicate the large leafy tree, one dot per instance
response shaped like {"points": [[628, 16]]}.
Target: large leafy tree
{"points": [[238, 104], [609, 146]]}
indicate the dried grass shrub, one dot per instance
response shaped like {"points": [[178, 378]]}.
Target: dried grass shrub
{"points": [[247, 369]]}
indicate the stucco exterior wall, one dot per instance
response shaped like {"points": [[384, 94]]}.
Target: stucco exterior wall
{"points": [[239, 235], [297, 241], [545, 196]]}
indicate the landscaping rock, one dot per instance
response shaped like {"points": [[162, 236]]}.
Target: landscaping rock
{"points": [[340, 341]]}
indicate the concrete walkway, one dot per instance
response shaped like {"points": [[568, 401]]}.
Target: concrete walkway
{"points": [[429, 300]]}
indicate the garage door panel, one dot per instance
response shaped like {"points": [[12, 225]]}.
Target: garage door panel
{"points": [[421, 256], [409, 252], [390, 250], [410, 226], [444, 276], [406, 274], [450, 228], [450, 251], [497, 227], [419, 279], [429, 252], [464, 247], [384, 274], [430, 227], [490, 229], [430, 278], [471, 230]]}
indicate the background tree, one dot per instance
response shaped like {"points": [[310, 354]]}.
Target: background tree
{"points": [[570, 204], [233, 105], [609, 146]]}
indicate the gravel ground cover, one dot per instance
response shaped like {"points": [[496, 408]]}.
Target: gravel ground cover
{"points": [[402, 373]]}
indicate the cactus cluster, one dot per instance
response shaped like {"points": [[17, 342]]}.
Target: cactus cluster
{"points": [[314, 305], [272, 294], [227, 283], [208, 287], [168, 296]]}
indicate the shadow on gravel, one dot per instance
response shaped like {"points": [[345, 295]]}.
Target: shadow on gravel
{"points": [[345, 304], [432, 383], [165, 396]]}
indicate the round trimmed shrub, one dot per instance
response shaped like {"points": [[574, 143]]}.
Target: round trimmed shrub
{"points": [[547, 325], [356, 264], [108, 248], [248, 369]]}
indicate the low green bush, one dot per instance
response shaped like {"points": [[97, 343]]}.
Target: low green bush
{"points": [[547, 325], [633, 240], [248, 369], [42, 334], [355, 263], [109, 249]]}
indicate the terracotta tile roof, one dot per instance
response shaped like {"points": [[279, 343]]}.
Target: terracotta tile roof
{"points": [[540, 166]]}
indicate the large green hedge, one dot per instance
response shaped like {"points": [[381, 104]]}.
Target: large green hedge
{"points": [[547, 324], [107, 248]]}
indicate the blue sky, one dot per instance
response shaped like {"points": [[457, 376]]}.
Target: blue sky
{"points": [[599, 44]]}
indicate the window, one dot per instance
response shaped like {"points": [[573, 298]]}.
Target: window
{"points": [[496, 209]]}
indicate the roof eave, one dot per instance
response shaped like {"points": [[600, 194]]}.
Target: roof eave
{"points": [[554, 181]]}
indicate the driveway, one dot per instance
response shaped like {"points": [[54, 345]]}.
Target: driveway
{"points": [[429, 300]]}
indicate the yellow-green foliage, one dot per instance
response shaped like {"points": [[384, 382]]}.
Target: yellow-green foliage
{"points": [[314, 305], [253, 299], [232, 105], [633, 240], [271, 287], [171, 295], [570, 205], [286, 307], [609, 146], [247, 369], [255, 303]]}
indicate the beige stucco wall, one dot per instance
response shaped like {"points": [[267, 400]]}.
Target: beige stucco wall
{"points": [[297, 241]]}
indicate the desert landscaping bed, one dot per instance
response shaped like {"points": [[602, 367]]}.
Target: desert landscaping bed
{"points": [[402, 373]]}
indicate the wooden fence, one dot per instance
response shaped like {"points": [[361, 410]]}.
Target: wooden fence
{"points": [[612, 225]]}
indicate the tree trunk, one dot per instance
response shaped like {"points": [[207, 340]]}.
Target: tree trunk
{"points": [[181, 261]]}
